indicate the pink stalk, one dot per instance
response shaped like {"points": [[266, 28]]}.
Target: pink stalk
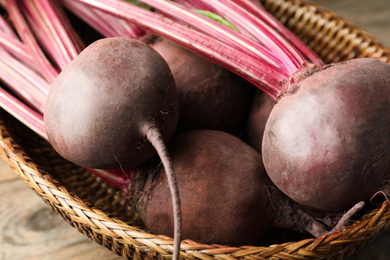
{"points": [[261, 31], [216, 30], [120, 26], [258, 10], [91, 17], [18, 49], [107, 25], [246, 21], [57, 22], [50, 45], [193, 5], [27, 37], [64, 21], [261, 74], [120, 179], [22, 112], [265, 63], [4, 26], [24, 71], [199, 5], [23, 81], [50, 32]]}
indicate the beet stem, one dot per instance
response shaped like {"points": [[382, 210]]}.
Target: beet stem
{"points": [[28, 38], [155, 138]]}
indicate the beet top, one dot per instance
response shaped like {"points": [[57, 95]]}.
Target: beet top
{"points": [[326, 142]]}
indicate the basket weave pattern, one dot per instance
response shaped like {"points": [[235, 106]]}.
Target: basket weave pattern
{"points": [[96, 210], [331, 37]]}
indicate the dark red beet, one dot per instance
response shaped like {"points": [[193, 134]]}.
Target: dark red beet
{"points": [[210, 96], [100, 105], [326, 143], [226, 196], [113, 106]]}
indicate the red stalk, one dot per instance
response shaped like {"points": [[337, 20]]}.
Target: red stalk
{"points": [[28, 38], [4, 26], [18, 49], [216, 30], [23, 81], [107, 25], [261, 31], [258, 10], [54, 18], [50, 32], [255, 8], [260, 74], [22, 112], [194, 5], [91, 16]]}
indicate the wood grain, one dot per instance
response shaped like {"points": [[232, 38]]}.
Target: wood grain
{"points": [[29, 229]]}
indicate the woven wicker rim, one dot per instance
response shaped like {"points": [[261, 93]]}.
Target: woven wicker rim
{"points": [[332, 37]]}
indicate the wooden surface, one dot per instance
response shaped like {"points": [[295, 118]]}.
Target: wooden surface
{"points": [[29, 230]]}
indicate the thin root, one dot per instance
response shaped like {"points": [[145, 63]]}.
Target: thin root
{"points": [[347, 216]]}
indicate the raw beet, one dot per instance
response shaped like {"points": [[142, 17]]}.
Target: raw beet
{"points": [[210, 96], [326, 142], [114, 106], [226, 196], [100, 104]]}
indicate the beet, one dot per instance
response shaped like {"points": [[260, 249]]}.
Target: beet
{"points": [[210, 96], [112, 107], [100, 105], [226, 195], [326, 142]]}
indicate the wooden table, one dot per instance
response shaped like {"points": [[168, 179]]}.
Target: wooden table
{"points": [[29, 230]]}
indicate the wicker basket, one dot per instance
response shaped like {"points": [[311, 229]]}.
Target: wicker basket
{"points": [[96, 210]]}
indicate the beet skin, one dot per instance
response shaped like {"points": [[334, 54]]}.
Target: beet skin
{"points": [[100, 106], [327, 140], [226, 196], [221, 181]]}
